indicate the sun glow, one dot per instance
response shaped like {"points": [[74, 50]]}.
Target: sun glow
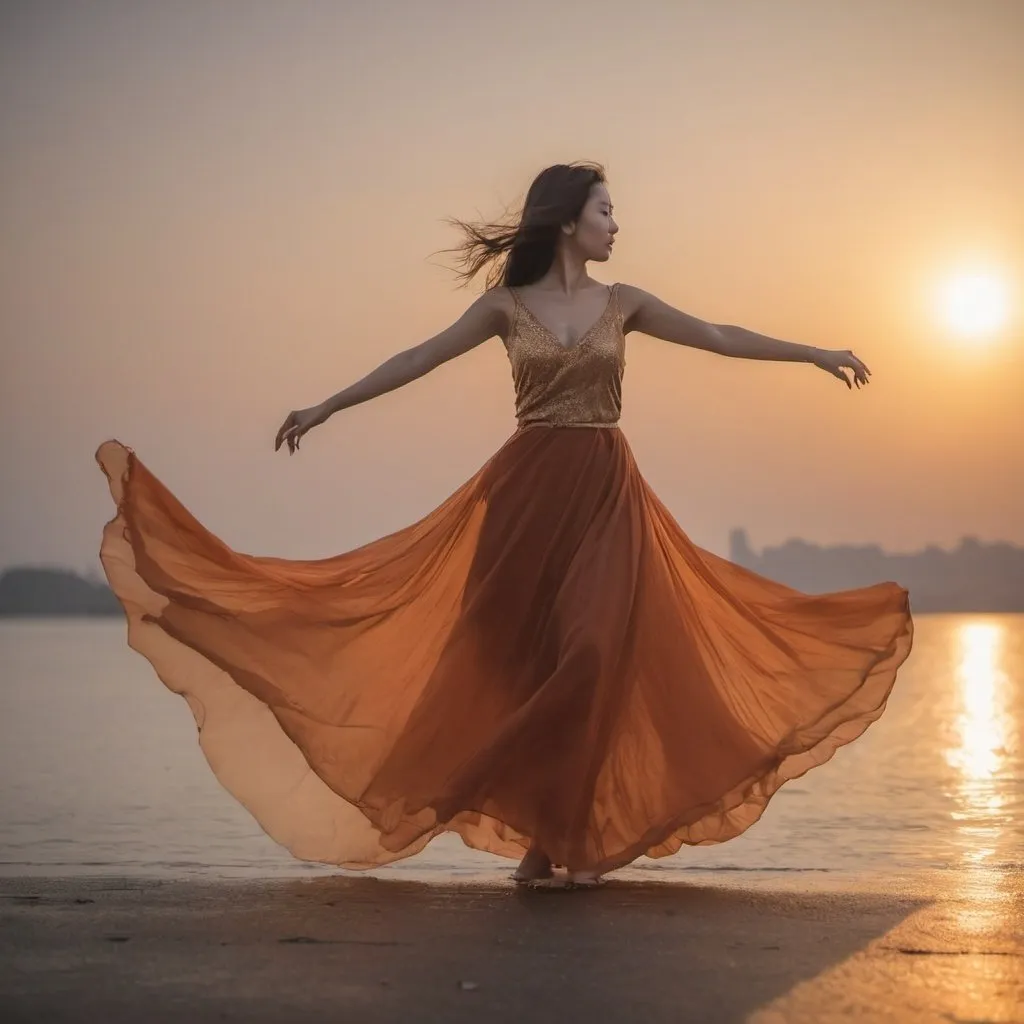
{"points": [[975, 304]]}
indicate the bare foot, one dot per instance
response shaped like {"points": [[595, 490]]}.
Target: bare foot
{"points": [[584, 880], [559, 882], [567, 882], [535, 865]]}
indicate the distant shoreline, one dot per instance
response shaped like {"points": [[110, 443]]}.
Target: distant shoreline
{"points": [[975, 577], [27, 591]]}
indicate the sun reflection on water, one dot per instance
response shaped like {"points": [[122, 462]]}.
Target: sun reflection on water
{"points": [[981, 759], [982, 722], [980, 756]]}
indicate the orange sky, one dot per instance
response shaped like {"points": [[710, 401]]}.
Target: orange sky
{"points": [[216, 212]]}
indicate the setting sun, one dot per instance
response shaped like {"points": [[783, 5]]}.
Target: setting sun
{"points": [[975, 304]]}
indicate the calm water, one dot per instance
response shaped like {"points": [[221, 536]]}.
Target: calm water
{"points": [[102, 773]]}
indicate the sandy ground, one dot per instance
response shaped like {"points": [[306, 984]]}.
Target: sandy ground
{"points": [[368, 949]]}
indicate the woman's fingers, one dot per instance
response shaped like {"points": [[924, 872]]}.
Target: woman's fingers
{"points": [[860, 372], [290, 432], [283, 431], [859, 368]]}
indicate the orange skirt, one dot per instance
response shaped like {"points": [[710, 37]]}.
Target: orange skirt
{"points": [[546, 656]]}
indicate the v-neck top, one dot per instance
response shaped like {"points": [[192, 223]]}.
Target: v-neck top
{"points": [[567, 386]]}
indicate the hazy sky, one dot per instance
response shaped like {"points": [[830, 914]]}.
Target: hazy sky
{"points": [[214, 212]]}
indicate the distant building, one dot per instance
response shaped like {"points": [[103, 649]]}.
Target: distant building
{"points": [[973, 577]]}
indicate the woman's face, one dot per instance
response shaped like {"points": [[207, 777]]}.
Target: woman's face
{"points": [[594, 231]]}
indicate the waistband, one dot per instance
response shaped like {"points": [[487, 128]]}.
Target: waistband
{"points": [[570, 426]]}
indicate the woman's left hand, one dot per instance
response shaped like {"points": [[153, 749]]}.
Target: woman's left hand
{"points": [[833, 360]]}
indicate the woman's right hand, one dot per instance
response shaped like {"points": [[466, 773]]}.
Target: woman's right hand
{"points": [[296, 424]]}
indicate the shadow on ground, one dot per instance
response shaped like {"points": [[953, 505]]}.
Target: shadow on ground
{"points": [[369, 949]]}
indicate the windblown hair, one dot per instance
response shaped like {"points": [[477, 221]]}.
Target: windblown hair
{"points": [[521, 249]]}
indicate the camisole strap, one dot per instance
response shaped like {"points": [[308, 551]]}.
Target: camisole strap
{"points": [[516, 309], [516, 303]]}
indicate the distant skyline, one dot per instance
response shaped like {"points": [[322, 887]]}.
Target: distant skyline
{"points": [[975, 576], [960, 544], [223, 211]]}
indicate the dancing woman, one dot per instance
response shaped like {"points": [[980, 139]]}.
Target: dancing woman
{"points": [[545, 664]]}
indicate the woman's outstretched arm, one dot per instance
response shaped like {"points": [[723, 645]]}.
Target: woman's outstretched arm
{"points": [[482, 320], [650, 315]]}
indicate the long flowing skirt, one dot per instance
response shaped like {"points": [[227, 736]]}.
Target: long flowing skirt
{"points": [[545, 656]]}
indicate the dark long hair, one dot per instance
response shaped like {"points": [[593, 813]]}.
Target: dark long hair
{"points": [[521, 249]]}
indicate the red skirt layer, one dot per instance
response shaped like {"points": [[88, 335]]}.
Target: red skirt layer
{"points": [[544, 656]]}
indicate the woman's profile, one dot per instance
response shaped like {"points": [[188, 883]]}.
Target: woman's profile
{"points": [[545, 664]]}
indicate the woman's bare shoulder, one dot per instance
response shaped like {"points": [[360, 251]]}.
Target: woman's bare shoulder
{"points": [[631, 302], [501, 304]]}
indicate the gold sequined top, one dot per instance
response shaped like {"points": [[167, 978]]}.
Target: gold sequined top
{"points": [[575, 386]]}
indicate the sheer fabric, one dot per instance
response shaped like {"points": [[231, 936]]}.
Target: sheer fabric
{"points": [[544, 656]]}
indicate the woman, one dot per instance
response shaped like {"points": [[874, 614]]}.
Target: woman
{"points": [[545, 664]]}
